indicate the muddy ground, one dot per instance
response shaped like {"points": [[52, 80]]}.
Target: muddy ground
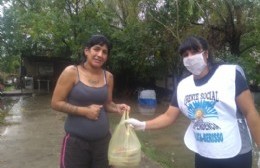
{"points": [[33, 135], [32, 138]]}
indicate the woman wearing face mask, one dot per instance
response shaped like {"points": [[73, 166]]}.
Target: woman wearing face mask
{"points": [[218, 102]]}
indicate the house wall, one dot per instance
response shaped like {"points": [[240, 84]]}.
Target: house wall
{"points": [[44, 69]]}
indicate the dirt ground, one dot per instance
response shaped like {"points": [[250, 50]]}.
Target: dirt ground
{"points": [[34, 134]]}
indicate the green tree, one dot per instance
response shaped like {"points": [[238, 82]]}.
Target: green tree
{"points": [[232, 28]]}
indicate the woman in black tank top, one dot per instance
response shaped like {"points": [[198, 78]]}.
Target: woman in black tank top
{"points": [[84, 92]]}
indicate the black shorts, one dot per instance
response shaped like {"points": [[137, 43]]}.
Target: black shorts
{"points": [[79, 153], [239, 161]]}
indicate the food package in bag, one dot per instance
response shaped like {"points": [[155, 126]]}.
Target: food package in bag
{"points": [[124, 147]]}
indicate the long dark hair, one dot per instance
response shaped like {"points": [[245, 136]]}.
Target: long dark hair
{"points": [[95, 40]]}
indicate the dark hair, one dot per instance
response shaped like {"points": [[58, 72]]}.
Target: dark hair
{"points": [[98, 39], [196, 43], [193, 43], [95, 40]]}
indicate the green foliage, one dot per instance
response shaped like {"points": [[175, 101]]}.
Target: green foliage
{"points": [[229, 25], [131, 54], [9, 64], [250, 62]]}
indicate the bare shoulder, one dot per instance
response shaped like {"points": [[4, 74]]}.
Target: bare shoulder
{"points": [[109, 74], [70, 70], [110, 77]]}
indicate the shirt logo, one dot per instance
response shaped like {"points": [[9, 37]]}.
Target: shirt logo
{"points": [[201, 106]]}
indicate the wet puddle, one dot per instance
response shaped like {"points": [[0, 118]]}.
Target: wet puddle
{"points": [[10, 109]]}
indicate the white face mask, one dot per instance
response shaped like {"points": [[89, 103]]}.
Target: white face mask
{"points": [[195, 64]]}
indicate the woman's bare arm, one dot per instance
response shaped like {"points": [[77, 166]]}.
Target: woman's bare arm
{"points": [[246, 104]]}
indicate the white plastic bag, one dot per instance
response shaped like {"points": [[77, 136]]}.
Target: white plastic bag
{"points": [[124, 147]]}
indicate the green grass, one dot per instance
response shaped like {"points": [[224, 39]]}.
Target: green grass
{"points": [[6, 104], [163, 158], [160, 157], [9, 88], [2, 117]]}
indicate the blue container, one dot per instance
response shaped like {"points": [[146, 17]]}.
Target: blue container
{"points": [[147, 102]]}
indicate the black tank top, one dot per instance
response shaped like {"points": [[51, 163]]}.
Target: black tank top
{"points": [[83, 95]]}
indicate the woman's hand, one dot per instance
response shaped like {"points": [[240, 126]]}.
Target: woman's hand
{"points": [[91, 112], [136, 124], [122, 108], [117, 108]]}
